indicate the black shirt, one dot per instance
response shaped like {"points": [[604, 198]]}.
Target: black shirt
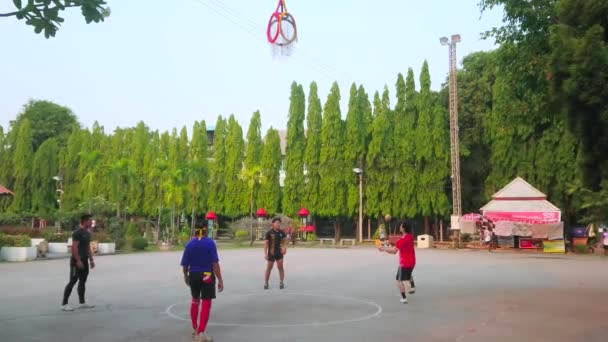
{"points": [[275, 240], [84, 243]]}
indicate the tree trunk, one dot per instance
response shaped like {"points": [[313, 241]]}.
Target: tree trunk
{"points": [[427, 229], [435, 229]]}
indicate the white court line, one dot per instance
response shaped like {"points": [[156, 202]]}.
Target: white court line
{"points": [[169, 312]]}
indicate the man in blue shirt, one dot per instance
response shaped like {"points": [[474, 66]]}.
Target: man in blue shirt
{"points": [[201, 270]]}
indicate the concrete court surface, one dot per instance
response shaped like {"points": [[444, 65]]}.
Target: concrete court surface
{"points": [[331, 295]]}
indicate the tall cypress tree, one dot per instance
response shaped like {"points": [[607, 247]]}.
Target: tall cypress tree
{"points": [[378, 182], [5, 161], [255, 144], [270, 187], [424, 147], [406, 175], [235, 203], [356, 145], [199, 168], [294, 159], [45, 166], [217, 192], [70, 160], [334, 174], [22, 162], [253, 158], [312, 153]]}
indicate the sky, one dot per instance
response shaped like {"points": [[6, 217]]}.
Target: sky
{"points": [[169, 63]]}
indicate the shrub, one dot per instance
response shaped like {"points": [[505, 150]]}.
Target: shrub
{"points": [[184, 236], [139, 244], [466, 237], [241, 234], [2, 237], [132, 232], [15, 241], [311, 237], [52, 236], [102, 237], [582, 249]]}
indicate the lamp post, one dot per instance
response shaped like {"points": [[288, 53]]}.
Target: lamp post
{"points": [[59, 185], [359, 172], [454, 141]]}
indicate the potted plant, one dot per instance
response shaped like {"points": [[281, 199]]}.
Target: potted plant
{"points": [[16, 248], [105, 245], [58, 242]]}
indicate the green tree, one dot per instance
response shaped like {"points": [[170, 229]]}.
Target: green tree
{"points": [[378, 181], [355, 148], [405, 141], [293, 189], [68, 169], [475, 83], [270, 187], [137, 153], [43, 15], [236, 202], [217, 191], [45, 166], [198, 169], [47, 120], [22, 162], [578, 69], [253, 156], [312, 153], [334, 173]]}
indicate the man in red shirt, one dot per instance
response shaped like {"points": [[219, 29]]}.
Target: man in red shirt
{"points": [[407, 260]]}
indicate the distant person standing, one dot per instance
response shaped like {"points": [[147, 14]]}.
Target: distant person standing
{"points": [[275, 248], [407, 261], [80, 262]]}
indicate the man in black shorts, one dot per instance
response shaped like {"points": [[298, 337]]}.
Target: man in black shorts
{"points": [[274, 250], [79, 264], [201, 268]]}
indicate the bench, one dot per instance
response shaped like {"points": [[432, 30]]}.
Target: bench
{"points": [[352, 241], [333, 242]]}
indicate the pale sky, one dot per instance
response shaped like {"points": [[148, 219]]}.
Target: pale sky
{"points": [[169, 63]]}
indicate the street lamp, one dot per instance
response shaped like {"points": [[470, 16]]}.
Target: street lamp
{"points": [[359, 172], [59, 185], [454, 141]]}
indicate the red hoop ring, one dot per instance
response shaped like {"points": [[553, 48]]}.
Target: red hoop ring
{"points": [[277, 17]]}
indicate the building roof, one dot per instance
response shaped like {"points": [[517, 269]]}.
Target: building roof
{"points": [[519, 188], [5, 191], [519, 196]]}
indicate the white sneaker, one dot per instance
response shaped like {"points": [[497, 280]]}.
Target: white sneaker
{"points": [[412, 290], [86, 306], [403, 300], [203, 338], [66, 308]]}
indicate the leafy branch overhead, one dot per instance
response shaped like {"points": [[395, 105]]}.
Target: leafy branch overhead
{"points": [[43, 15]]}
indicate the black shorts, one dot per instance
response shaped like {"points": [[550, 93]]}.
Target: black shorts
{"points": [[275, 257], [606, 247], [404, 273], [201, 289]]}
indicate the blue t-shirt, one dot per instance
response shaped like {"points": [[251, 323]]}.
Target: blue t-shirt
{"points": [[200, 255]]}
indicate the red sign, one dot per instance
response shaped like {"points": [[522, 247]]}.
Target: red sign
{"points": [[525, 216], [526, 243]]}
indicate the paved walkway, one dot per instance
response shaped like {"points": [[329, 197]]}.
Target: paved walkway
{"points": [[331, 295]]}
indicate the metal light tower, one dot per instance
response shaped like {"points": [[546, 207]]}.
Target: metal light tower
{"points": [[454, 141]]}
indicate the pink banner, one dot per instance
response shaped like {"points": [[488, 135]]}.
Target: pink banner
{"points": [[527, 216]]}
